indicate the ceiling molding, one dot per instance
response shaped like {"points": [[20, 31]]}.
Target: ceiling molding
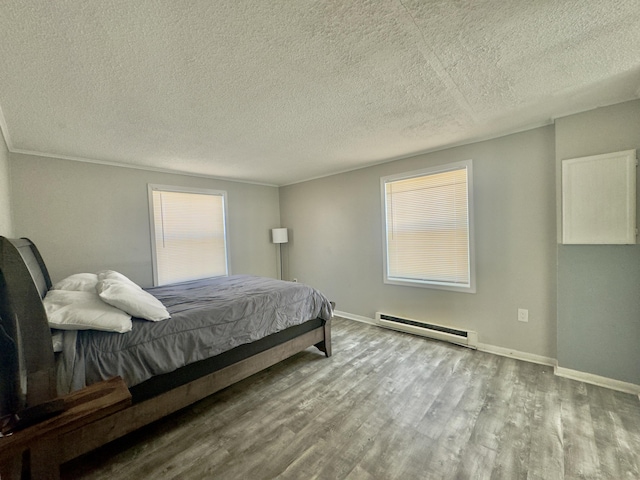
{"points": [[463, 143], [135, 167]]}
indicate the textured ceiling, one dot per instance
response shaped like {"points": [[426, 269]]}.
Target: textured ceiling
{"points": [[282, 91]]}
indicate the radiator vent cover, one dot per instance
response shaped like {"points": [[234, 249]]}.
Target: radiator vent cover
{"points": [[467, 338]]}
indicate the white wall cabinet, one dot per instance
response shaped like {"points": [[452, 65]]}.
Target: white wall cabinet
{"points": [[599, 199]]}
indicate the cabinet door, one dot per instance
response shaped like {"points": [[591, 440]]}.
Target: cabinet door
{"points": [[599, 199]]}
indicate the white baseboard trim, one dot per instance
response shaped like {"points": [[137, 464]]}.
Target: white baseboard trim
{"points": [[598, 380], [532, 358], [516, 354], [357, 318]]}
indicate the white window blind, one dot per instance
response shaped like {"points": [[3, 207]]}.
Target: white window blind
{"points": [[428, 228], [189, 234]]}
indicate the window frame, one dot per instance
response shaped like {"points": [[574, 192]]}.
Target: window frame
{"points": [[432, 284], [151, 187]]}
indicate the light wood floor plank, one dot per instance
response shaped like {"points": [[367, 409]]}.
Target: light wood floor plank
{"points": [[456, 421], [478, 455], [512, 459], [546, 456], [580, 450], [386, 405], [616, 450]]}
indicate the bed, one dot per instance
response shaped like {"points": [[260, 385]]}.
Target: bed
{"points": [[220, 331]]}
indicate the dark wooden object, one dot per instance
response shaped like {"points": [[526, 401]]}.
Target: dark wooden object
{"points": [[24, 281], [24, 319], [43, 440], [140, 414]]}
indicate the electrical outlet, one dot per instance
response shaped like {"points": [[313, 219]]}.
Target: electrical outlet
{"points": [[295, 280], [523, 315]]}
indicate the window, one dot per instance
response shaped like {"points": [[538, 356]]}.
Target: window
{"points": [[428, 232], [188, 233]]}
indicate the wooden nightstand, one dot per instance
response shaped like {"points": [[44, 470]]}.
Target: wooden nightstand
{"points": [[42, 439]]}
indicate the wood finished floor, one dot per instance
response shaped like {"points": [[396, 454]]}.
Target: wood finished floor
{"points": [[387, 405]]}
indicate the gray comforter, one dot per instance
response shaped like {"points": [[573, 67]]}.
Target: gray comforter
{"points": [[208, 317]]}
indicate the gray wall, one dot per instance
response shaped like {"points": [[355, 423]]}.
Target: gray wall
{"points": [[336, 242], [599, 285], [6, 228], [88, 217]]}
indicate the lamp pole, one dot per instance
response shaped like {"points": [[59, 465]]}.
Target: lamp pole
{"points": [[280, 236]]}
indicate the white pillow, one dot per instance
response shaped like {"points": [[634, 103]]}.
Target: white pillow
{"points": [[78, 282], [113, 275], [69, 310], [132, 299]]}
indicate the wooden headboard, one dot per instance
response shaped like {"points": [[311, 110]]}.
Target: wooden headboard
{"points": [[28, 375]]}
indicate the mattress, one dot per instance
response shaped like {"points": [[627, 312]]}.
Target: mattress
{"points": [[208, 317]]}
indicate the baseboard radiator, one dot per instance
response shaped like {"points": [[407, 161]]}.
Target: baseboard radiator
{"points": [[467, 338]]}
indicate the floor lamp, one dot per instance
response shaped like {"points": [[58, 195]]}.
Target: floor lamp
{"points": [[280, 236]]}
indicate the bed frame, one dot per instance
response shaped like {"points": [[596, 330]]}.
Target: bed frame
{"points": [[58, 429]]}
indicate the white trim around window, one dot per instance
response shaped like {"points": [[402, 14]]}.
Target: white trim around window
{"points": [[188, 233], [428, 234]]}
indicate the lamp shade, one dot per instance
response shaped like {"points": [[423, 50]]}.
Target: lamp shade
{"points": [[279, 235]]}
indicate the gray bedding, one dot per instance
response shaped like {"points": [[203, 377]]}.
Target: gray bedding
{"points": [[208, 317]]}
